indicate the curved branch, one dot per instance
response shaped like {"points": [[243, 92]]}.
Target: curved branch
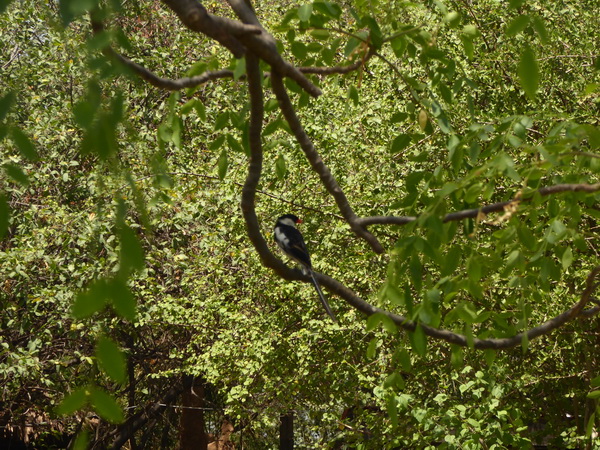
{"points": [[459, 339], [487, 209], [264, 46], [194, 16], [255, 166], [341, 70], [318, 165], [167, 83]]}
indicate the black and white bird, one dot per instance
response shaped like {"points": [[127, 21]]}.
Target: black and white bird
{"points": [[290, 240]]}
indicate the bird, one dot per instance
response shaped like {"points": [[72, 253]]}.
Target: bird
{"points": [[290, 240]]}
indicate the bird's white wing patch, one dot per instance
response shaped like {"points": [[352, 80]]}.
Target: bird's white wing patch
{"points": [[281, 238]]}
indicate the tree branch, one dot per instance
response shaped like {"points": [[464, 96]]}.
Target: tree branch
{"points": [[195, 17], [459, 339], [264, 46], [230, 33], [475, 212], [137, 421], [255, 166], [318, 165]]}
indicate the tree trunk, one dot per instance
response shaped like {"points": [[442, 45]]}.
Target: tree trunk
{"points": [[286, 432], [191, 429]]}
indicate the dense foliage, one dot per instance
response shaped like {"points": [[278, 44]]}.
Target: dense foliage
{"points": [[125, 262]]}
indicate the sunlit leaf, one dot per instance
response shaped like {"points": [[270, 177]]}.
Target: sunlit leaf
{"points": [[589, 429], [372, 348], [73, 401], [418, 341], [16, 173], [82, 440], [517, 25], [105, 405], [567, 258], [540, 28], [400, 142], [222, 164], [392, 410], [240, 68], [6, 102], [131, 255], [121, 297], [280, 167], [353, 94], [111, 359], [24, 144], [90, 301], [304, 12], [529, 75]]}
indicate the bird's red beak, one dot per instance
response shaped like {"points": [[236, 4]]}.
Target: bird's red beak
{"points": [[299, 221]]}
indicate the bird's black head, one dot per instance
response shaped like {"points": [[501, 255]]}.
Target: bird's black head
{"points": [[287, 218]]}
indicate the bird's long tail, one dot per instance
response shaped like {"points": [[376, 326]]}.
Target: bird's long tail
{"points": [[322, 297]]}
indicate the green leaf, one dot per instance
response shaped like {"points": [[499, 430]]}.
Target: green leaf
{"points": [[217, 143], [529, 74], [399, 44], [24, 144], [5, 104], [122, 299], [322, 35], [540, 28], [90, 301], [16, 173], [392, 410], [70, 9], [234, 144], [373, 321], [394, 380], [4, 215], [240, 68], [375, 35], [404, 359], [188, 106], [372, 348], [111, 359], [452, 19], [400, 142], [517, 25], [200, 110], [418, 341], [280, 167], [594, 395], [222, 164], [73, 402], [222, 121], [394, 295], [105, 405], [353, 94], [304, 12], [590, 426], [328, 9], [131, 256], [82, 440], [299, 50], [567, 258]]}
